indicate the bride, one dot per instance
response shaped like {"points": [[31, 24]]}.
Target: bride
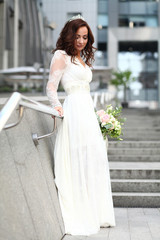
{"points": [[81, 164]]}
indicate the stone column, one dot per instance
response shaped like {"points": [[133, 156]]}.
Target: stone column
{"points": [[113, 14], [3, 50], [112, 48], [159, 14], [16, 37]]}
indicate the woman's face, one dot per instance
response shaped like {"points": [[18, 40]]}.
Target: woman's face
{"points": [[81, 38]]}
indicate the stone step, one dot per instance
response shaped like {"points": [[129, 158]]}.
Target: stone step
{"points": [[134, 170], [140, 116], [134, 151], [141, 123], [140, 137], [135, 161], [133, 144], [133, 158], [138, 126], [137, 114], [137, 118], [121, 199], [141, 130], [135, 185]]}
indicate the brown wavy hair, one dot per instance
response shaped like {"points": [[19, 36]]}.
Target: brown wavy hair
{"points": [[67, 39]]}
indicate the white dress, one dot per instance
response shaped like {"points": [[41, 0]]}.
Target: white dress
{"points": [[81, 164]]}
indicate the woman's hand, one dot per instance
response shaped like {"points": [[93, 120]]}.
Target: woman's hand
{"points": [[59, 109]]}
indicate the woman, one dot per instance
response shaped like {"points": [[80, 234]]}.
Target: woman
{"points": [[81, 164]]}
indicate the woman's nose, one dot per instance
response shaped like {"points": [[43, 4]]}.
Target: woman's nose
{"points": [[81, 40]]}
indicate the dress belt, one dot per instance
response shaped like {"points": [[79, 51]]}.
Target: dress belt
{"points": [[78, 89]]}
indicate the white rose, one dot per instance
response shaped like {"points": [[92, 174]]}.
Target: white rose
{"points": [[112, 118], [110, 108]]}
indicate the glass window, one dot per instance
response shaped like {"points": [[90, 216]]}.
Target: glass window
{"points": [[101, 55], [123, 21], [138, 21], [102, 20], [151, 21], [142, 59], [138, 13], [102, 35], [102, 6]]}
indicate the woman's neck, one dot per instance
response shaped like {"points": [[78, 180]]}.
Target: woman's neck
{"points": [[79, 55]]}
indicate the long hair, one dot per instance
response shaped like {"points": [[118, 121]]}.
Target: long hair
{"points": [[66, 41]]}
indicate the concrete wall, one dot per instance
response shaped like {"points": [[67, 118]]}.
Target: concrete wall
{"points": [[29, 206]]}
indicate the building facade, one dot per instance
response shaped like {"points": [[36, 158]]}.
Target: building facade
{"points": [[24, 33], [134, 43], [127, 35]]}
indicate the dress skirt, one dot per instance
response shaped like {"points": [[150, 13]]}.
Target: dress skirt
{"points": [[81, 169]]}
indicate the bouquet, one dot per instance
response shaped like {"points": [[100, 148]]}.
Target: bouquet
{"points": [[110, 122]]}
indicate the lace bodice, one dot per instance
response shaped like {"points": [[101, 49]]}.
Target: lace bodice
{"points": [[73, 76]]}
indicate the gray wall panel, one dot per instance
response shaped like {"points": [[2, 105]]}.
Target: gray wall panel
{"points": [[29, 202], [15, 218]]}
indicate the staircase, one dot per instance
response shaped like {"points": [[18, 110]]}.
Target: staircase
{"points": [[135, 161]]}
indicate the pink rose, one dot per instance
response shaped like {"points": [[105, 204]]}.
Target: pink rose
{"points": [[101, 113], [105, 118]]}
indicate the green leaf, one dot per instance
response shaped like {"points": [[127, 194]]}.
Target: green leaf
{"points": [[108, 125]]}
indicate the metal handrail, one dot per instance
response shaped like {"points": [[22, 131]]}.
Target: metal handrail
{"points": [[36, 138], [21, 111], [21, 101]]}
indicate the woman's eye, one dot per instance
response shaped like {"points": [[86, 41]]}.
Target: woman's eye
{"points": [[85, 38]]}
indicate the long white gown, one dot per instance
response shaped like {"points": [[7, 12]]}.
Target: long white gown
{"points": [[81, 164]]}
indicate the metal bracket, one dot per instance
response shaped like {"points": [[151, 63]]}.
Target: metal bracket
{"points": [[21, 111], [36, 138]]}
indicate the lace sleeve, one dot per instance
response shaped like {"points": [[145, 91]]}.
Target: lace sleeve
{"points": [[57, 67]]}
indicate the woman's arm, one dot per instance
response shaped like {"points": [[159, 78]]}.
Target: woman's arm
{"points": [[57, 68]]}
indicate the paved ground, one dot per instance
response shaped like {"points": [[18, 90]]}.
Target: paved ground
{"points": [[131, 224]]}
